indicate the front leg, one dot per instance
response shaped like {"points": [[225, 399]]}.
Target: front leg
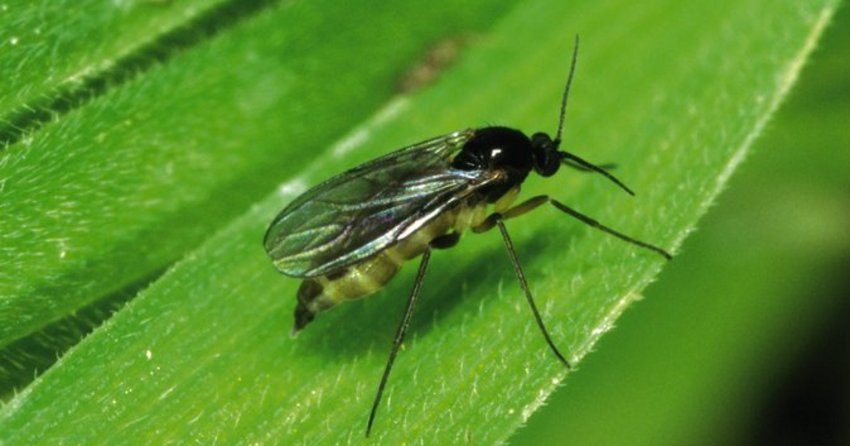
{"points": [[534, 202], [526, 206]]}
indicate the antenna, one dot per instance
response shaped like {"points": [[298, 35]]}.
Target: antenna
{"points": [[568, 158], [572, 160], [566, 95]]}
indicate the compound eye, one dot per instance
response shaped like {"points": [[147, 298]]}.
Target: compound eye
{"points": [[542, 141], [545, 153]]}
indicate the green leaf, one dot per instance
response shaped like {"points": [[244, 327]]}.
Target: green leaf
{"points": [[133, 175], [748, 320], [53, 50], [673, 93]]}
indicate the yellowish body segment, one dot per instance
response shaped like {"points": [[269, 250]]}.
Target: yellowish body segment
{"points": [[318, 294]]}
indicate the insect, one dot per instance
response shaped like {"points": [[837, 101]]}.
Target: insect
{"points": [[348, 236]]}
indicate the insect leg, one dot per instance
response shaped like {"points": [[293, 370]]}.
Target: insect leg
{"points": [[533, 202], [399, 336], [591, 222], [526, 206], [524, 285]]}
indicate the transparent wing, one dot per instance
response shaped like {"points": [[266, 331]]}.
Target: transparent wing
{"points": [[359, 212]]}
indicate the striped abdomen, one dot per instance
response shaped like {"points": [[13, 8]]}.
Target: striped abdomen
{"points": [[318, 294]]}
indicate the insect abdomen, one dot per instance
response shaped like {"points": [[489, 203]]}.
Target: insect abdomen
{"points": [[359, 280], [321, 293]]}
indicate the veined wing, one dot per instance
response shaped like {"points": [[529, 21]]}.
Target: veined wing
{"points": [[359, 212]]}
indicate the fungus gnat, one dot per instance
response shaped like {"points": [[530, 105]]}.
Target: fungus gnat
{"points": [[348, 236]]}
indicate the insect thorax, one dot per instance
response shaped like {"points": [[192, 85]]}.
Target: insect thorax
{"points": [[502, 149]]}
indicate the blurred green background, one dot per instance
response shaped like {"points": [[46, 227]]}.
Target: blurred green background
{"points": [[745, 338]]}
